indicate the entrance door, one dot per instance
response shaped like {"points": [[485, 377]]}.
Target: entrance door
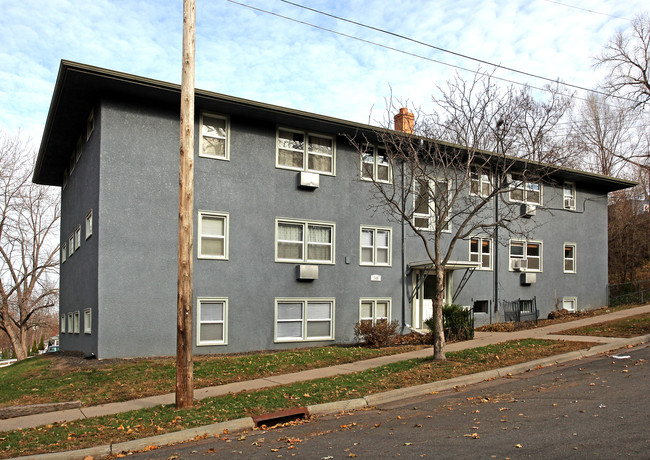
{"points": [[423, 303]]}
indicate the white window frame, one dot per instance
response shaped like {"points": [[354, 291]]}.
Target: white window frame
{"points": [[224, 321], [305, 151], [88, 321], [62, 325], [366, 165], [225, 237], [64, 251], [304, 320], [77, 237], [225, 138], [431, 216], [89, 224], [571, 188], [573, 300], [70, 245], [306, 224], [374, 301], [70, 323], [480, 176], [479, 255], [525, 255], [524, 185], [375, 248], [77, 322], [90, 124], [573, 259]]}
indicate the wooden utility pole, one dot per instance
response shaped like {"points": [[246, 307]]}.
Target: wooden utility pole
{"points": [[184, 365]]}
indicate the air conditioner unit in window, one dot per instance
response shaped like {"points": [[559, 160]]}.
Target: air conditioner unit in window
{"points": [[569, 203], [528, 210], [307, 272], [519, 265], [307, 180]]}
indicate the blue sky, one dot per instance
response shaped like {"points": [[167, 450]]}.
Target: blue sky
{"points": [[249, 54]]}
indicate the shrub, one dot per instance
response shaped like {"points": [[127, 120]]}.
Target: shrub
{"points": [[380, 334], [5, 353], [41, 345], [457, 323]]}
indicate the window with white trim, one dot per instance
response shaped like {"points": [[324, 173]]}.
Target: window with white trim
{"points": [[481, 306], [213, 235], [374, 310], [77, 321], [62, 325], [569, 196], [89, 224], [88, 324], [304, 241], [71, 245], [70, 328], [64, 251], [375, 164], [90, 124], [431, 201], [375, 246], [528, 251], [480, 250], [525, 191], [77, 237], [303, 151], [569, 258], [304, 319], [214, 136], [480, 184], [212, 314], [570, 303]]}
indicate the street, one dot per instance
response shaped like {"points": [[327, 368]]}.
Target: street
{"points": [[593, 408]]}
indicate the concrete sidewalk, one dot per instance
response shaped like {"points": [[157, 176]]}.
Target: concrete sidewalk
{"points": [[481, 339]]}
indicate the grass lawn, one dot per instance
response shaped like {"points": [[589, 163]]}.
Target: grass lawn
{"points": [[148, 422], [57, 378], [633, 326]]}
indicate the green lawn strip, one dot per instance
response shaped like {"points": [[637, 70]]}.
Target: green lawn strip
{"points": [[162, 419], [632, 326], [46, 379]]}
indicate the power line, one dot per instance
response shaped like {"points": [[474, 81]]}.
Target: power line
{"points": [[461, 55], [587, 10]]}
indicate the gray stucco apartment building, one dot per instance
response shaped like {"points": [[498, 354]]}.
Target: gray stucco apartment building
{"points": [[279, 201]]}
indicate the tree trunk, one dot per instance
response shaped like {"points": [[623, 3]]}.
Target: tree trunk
{"points": [[17, 341], [438, 329]]}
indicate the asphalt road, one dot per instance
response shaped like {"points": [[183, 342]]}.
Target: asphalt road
{"points": [[593, 408]]}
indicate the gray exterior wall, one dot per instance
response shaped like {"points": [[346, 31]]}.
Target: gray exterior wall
{"points": [[126, 271]]}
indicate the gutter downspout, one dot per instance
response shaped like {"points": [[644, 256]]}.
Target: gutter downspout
{"points": [[403, 268]]}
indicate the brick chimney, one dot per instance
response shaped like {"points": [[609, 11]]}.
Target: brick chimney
{"points": [[404, 121]]}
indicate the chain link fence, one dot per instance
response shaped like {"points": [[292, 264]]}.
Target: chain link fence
{"points": [[627, 293]]}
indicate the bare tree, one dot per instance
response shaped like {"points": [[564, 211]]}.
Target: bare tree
{"points": [[466, 145], [627, 57], [28, 254]]}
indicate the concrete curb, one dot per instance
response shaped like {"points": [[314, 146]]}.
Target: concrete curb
{"points": [[337, 407]]}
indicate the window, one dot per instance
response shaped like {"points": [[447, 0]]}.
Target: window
{"points": [[77, 237], [529, 252], [431, 204], [375, 246], [213, 235], [569, 258], [481, 306], [291, 237], [77, 150], [89, 224], [212, 315], [305, 152], [71, 245], [88, 325], [77, 319], [374, 311], [569, 195], [90, 124], [214, 137], [479, 182], [304, 319], [480, 250], [70, 323], [62, 326], [525, 191], [570, 303], [64, 250], [375, 164]]}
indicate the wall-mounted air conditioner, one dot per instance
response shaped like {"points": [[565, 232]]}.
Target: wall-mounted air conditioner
{"points": [[308, 181], [519, 265], [307, 272], [527, 278], [569, 203], [528, 210]]}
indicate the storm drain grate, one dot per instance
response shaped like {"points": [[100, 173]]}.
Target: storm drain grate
{"points": [[283, 416]]}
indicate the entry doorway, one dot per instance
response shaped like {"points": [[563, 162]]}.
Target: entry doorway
{"points": [[424, 288]]}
